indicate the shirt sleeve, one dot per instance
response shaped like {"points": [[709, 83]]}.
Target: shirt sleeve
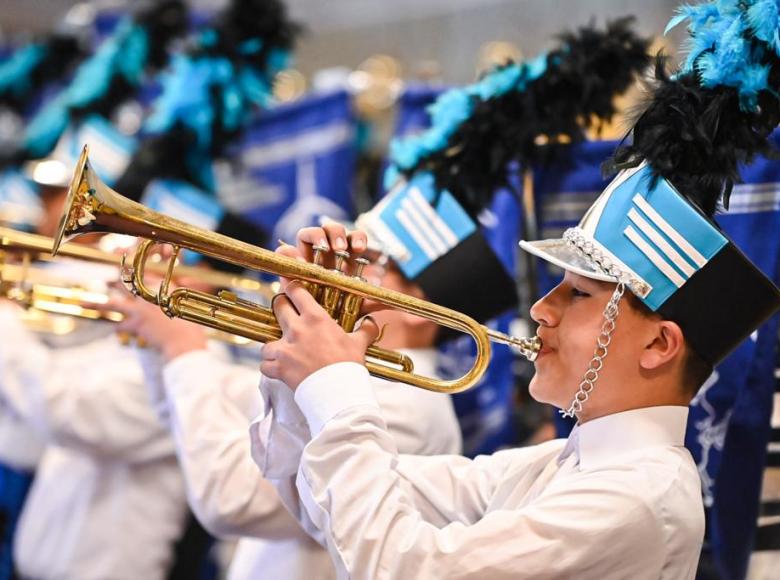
{"points": [[89, 398], [419, 422], [386, 516], [211, 405]]}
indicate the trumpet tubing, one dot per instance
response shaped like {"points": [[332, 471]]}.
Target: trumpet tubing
{"points": [[38, 247], [94, 207], [42, 300]]}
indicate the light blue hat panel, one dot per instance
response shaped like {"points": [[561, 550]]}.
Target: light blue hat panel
{"points": [[421, 232], [656, 233]]}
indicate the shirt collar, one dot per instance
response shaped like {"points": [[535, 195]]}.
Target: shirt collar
{"points": [[598, 441]]}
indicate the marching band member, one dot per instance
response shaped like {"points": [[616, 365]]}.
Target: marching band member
{"points": [[108, 498], [647, 274]]}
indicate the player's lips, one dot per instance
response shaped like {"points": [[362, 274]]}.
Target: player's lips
{"points": [[545, 350], [547, 347]]}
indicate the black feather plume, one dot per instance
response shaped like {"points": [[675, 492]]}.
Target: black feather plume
{"points": [[163, 22], [105, 80], [583, 75], [250, 37], [58, 54], [695, 136]]}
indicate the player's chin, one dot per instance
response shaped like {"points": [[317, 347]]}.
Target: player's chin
{"points": [[545, 388], [538, 387]]}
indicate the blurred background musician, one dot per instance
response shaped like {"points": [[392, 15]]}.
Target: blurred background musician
{"points": [[108, 498]]}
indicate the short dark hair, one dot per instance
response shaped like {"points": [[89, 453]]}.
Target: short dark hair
{"points": [[695, 369]]}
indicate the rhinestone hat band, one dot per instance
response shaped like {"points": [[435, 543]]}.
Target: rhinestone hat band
{"points": [[576, 239]]}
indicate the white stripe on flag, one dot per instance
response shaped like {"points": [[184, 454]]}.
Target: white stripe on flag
{"points": [[654, 256], [417, 236], [666, 228], [310, 143], [662, 244], [439, 225], [755, 198], [423, 226], [767, 186]]}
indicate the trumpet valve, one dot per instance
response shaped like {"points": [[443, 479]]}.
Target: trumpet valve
{"points": [[318, 253], [351, 304], [342, 261], [330, 300], [360, 264], [331, 297]]}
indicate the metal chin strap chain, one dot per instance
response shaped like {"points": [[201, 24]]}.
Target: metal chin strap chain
{"points": [[597, 362]]}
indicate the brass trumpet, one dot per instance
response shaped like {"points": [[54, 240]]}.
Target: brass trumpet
{"points": [[47, 301], [94, 207], [41, 293], [65, 299], [29, 247]]}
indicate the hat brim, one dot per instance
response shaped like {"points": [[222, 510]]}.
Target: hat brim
{"points": [[560, 253]]}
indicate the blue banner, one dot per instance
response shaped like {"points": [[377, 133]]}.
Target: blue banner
{"points": [[729, 425], [295, 165]]}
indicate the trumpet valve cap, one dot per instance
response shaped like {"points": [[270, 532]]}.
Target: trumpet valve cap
{"points": [[318, 253], [342, 258], [360, 264]]}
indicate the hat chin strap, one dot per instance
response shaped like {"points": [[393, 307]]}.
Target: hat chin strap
{"points": [[597, 362]]}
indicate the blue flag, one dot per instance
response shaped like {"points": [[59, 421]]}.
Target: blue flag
{"points": [[729, 425], [296, 166]]}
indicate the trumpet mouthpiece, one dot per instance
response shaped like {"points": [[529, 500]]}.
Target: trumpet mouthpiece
{"points": [[528, 347]]}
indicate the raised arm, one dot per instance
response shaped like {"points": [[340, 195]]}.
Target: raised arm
{"points": [[212, 404], [209, 403]]}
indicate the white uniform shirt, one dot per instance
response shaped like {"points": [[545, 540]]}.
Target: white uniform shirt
{"points": [[107, 502], [20, 446], [211, 405], [621, 500]]}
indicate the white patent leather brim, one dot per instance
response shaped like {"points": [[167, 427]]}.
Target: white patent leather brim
{"points": [[560, 253]]}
